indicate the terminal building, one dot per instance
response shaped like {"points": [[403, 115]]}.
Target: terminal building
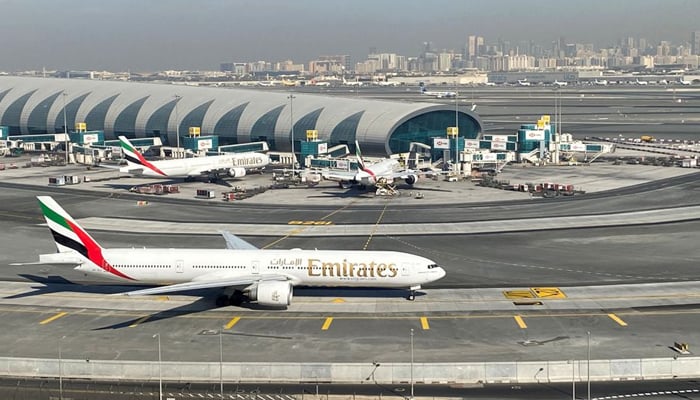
{"points": [[32, 106]]}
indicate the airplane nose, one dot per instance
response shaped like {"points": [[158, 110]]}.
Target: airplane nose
{"points": [[442, 273]]}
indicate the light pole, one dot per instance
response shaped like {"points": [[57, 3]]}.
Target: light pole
{"points": [[573, 380], [411, 363], [65, 124], [457, 130], [588, 365], [221, 363], [160, 369], [291, 98], [60, 369], [177, 125]]}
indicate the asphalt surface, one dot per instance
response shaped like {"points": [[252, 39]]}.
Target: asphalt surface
{"points": [[633, 254]]}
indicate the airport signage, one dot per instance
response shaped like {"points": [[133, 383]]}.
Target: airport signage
{"points": [[89, 138], [578, 147], [441, 143], [471, 144], [490, 157], [499, 138], [342, 164], [204, 144], [534, 135], [323, 148], [498, 145]]}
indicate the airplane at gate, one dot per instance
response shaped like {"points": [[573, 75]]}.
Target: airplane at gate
{"points": [[387, 169], [234, 165], [241, 271]]}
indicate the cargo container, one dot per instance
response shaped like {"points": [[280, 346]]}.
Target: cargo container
{"points": [[57, 181], [205, 194]]}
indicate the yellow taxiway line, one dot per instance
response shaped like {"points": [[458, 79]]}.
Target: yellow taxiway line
{"points": [[424, 323], [232, 322], [520, 322], [139, 321], [327, 324], [617, 319], [51, 319]]}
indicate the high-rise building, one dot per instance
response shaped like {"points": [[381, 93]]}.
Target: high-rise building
{"points": [[695, 42]]}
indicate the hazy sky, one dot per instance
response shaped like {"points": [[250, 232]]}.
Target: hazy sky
{"points": [[143, 35]]}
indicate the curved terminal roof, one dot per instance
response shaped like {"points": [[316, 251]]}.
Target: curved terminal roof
{"points": [[36, 105]]}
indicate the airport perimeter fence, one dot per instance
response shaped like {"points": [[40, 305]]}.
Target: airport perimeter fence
{"points": [[389, 373]]}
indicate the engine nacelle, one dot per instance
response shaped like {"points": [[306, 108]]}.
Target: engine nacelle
{"points": [[236, 172], [272, 293], [411, 179]]}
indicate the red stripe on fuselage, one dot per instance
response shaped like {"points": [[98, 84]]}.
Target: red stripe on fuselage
{"points": [[94, 252], [145, 163]]}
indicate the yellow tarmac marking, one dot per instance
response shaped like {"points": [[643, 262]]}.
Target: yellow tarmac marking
{"points": [[520, 322], [339, 210], [424, 323], [232, 322], [376, 226], [548, 292], [327, 324], [338, 300], [51, 319], [518, 294], [139, 321], [297, 222], [617, 319]]}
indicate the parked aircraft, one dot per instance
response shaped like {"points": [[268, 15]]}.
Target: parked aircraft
{"points": [[557, 83], [684, 82], [439, 94], [603, 82], [351, 83], [234, 165], [642, 83], [242, 271], [524, 82], [386, 170]]}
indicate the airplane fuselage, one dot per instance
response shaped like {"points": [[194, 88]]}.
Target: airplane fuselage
{"points": [[200, 165], [301, 267]]}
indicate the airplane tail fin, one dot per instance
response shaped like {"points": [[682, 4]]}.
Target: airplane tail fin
{"points": [[73, 243], [68, 235], [135, 159], [358, 154]]}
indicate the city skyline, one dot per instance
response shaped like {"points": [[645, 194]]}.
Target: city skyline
{"points": [[132, 35]]}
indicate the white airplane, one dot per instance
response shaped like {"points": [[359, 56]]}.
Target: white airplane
{"points": [[351, 83], [234, 165], [643, 83], [684, 82], [557, 83], [322, 83], [524, 82], [603, 82], [388, 83], [386, 170], [439, 95], [242, 271]]}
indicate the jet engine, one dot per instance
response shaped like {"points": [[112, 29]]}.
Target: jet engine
{"points": [[411, 179], [272, 293], [236, 172]]}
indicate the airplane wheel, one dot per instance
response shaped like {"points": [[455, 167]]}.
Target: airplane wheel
{"points": [[237, 298], [411, 296], [222, 301]]}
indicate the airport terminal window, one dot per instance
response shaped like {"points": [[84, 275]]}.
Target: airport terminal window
{"points": [[306, 122], [227, 126], [125, 123], [194, 118], [95, 118], [36, 123], [13, 113], [264, 127], [71, 110], [346, 131], [425, 127], [158, 122]]}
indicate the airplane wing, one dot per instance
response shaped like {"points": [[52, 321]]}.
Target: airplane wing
{"points": [[233, 242], [332, 175], [210, 282]]}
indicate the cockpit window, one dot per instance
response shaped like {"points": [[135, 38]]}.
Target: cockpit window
{"points": [[431, 266]]}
